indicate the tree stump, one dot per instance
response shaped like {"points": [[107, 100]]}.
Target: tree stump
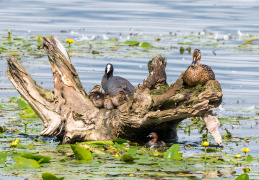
{"points": [[68, 113]]}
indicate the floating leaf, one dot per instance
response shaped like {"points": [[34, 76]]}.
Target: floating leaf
{"points": [[50, 176], [113, 40], [39, 158], [243, 177], [3, 157], [1, 129], [13, 53], [22, 104], [145, 45], [25, 163], [116, 145], [133, 150], [126, 158], [119, 141], [131, 43], [81, 153], [99, 143], [249, 158], [28, 113], [95, 52], [173, 153]]}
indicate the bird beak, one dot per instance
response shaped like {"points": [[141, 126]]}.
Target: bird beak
{"points": [[150, 136], [194, 61], [108, 69]]}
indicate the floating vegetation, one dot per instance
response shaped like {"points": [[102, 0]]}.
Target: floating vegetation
{"points": [[33, 156]]}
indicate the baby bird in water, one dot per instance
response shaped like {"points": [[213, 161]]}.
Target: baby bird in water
{"points": [[97, 97], [108, 101], [154, 142], [198, 73], [119, 99]]}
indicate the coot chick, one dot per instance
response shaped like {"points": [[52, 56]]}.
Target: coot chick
{"points": [[114, 84], [154, 142], [108, 101], [198, 73], [97, 97], [119, 99]]}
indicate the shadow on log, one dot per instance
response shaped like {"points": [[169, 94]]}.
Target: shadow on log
{"points": [[68, 113]]}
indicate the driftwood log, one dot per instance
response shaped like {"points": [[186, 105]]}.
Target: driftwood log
{"points": [[68, 113]]}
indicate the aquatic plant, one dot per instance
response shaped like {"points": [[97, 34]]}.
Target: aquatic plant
{"points": [[205, 144], [246, 150], [25, 126], [69, 41], [14, 144]]}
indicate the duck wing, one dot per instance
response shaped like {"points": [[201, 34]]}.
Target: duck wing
{"points": [[209, 71]]}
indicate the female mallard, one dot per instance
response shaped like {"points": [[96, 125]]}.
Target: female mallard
{"points": [[198, 73], [97, 97]]}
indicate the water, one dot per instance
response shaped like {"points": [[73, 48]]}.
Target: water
{"points": [[237, 72]]}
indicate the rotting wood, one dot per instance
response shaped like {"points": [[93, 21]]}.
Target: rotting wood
{"points": [[68, 113]]}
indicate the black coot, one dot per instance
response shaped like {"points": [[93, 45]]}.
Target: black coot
{"points": [[114, 84]]}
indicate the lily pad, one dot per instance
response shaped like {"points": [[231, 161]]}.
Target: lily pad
{"points": [[243, 177], [81, 153], [126, 158], [22, 104], [50, 176], [133, 150], [25, 163], [132, 43], [173, 153], [40, 159], [119, 141], [3, 157], [28, 113]]}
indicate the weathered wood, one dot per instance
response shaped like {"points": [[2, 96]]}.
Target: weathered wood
{"points": [[68, 113]]}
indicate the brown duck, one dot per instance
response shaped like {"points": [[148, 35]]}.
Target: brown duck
{"points": [[97, 97], [108, 101], [119, 99], [198, 73]]}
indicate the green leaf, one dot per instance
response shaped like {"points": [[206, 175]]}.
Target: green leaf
{"points": [[81, 153], [146, 45], [22, 104], [3, 157], [131, 43], [95, 52], [126, 158], [173, 153], [99, 143], [116, 145], [25, 163], [210, 150], [39, 158], [243, 177], [50, 176], [133, 150], [119, 141], [38, 38], [249, 158], [1, 129], [28, 113], [113, 40]]}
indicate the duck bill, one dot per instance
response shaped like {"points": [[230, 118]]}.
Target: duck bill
{"points": [[194, 61]]}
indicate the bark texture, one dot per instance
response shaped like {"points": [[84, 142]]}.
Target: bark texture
{"points": [[68, 113]]}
